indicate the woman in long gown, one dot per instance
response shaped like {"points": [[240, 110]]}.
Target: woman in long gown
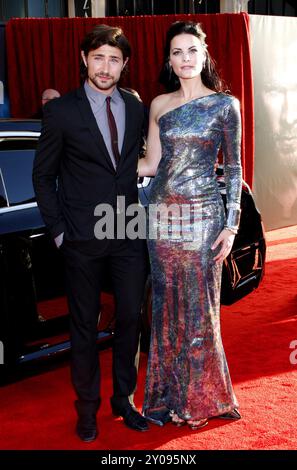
{"points": [[189, 234]]}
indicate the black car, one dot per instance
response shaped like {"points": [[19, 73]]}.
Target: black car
{"points": [[33, 309]]}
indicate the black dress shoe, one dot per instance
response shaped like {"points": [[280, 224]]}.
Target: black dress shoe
{"points": [[132, 418], [86, 427], [234, 414]]}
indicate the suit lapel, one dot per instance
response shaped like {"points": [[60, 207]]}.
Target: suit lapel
{"points": [[89, 119]]}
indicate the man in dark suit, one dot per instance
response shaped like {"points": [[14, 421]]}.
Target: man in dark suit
{"points": [[87, 155]]}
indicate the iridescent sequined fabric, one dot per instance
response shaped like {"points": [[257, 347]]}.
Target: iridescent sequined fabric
{"points": [[187, 368]]}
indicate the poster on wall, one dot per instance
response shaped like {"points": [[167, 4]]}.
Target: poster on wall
{"points": [[274, 46], [4, 103]]}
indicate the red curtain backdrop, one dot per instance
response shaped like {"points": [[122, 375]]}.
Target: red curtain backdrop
{"points": [[45, 53]]}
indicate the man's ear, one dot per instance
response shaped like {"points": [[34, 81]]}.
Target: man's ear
{"points": [[83, 57], [125, 63]]}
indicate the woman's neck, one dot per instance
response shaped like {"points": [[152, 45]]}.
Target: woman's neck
{"points": [[191, 89]]}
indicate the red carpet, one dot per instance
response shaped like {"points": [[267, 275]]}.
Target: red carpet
{"points": [[37, 412]]}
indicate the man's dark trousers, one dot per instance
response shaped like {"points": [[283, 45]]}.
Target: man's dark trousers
{"points": [[85, 272]]}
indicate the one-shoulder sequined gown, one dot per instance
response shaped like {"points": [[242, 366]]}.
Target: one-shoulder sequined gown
{"points": [[187, 368]]}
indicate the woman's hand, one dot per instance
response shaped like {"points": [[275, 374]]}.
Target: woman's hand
{"points": [[225, 239]]}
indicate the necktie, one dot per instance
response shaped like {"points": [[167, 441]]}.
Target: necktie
{"points": [[113, 131]]}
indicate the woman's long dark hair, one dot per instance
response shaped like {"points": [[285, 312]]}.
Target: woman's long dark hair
{"points": [[209, 75]]}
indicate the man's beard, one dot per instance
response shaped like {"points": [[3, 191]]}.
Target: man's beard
{"points": [[100, 85]]}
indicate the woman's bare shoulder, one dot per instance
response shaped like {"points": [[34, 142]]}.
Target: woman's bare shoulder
{"points": [[160, 100], [160, 103]]}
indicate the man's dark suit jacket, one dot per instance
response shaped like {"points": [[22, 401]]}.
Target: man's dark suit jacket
{"points": [[72, 150]]}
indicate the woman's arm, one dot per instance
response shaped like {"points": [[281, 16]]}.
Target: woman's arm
{"points": [[231, 146], [148, 165]]}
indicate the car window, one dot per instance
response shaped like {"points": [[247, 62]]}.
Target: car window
{"points": [[16, 163]]}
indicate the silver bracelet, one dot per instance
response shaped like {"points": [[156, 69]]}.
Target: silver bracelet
{"points": [[233, 217], [233, 230]]}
